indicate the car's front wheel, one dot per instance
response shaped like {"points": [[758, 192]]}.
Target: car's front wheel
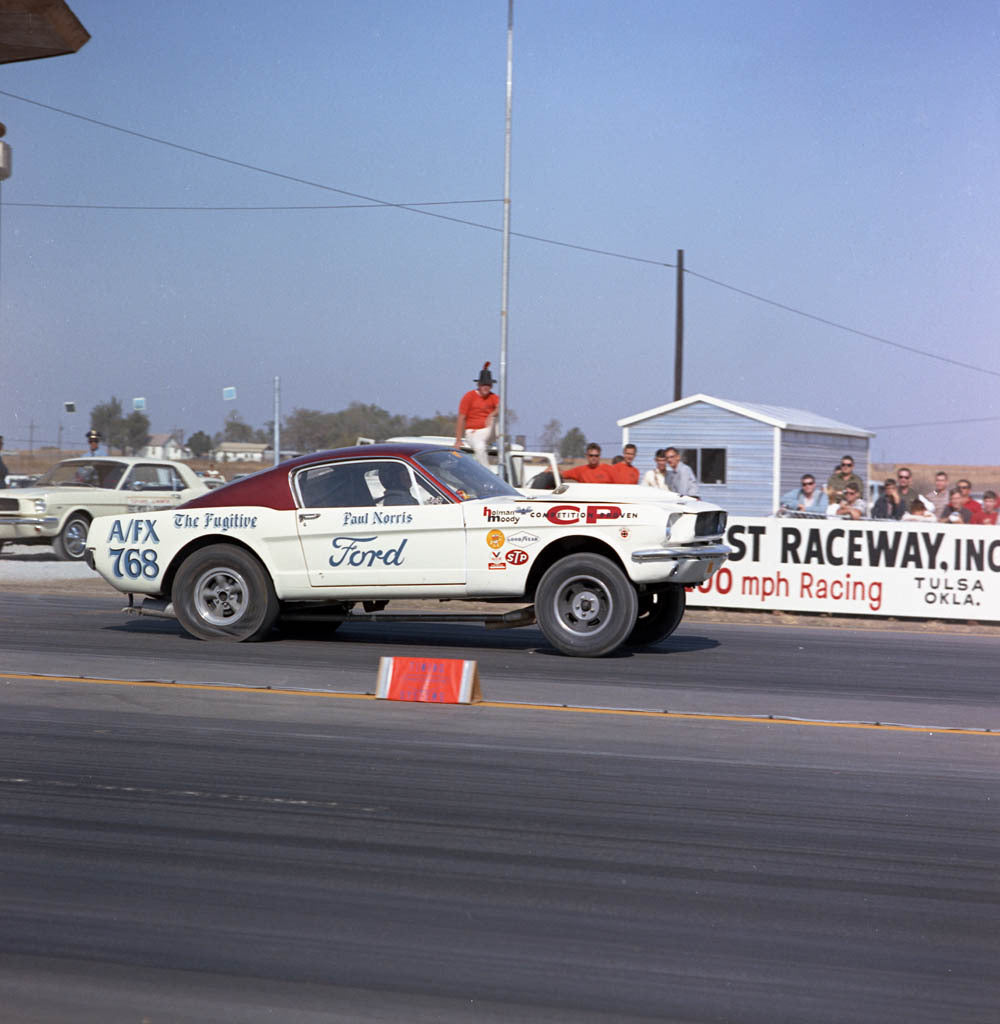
{"points": [[222, 592], [659, 615], [71, 543], [585, 605]]}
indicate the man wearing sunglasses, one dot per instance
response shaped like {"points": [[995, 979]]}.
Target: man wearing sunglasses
{"points": [[808, 498], [842, 476], [970, 503], [907, 492]]}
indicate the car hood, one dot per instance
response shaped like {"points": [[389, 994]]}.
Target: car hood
{"points": [[30, 493], [619, 494]]}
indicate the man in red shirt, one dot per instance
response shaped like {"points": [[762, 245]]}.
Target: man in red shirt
{"points": [[594, 472], [622, 469], [476, 413], [987, 516], [970, 503]]}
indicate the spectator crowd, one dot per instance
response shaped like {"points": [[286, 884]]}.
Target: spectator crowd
{"points": [[843, 498]]}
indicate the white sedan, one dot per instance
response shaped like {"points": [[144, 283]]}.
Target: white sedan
{"points": [[337, 535], [58, 508]]}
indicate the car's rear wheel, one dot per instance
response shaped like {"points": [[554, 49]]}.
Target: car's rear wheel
{"points": [[659, 615], [585, 605], [222, 592], [71, 543]]}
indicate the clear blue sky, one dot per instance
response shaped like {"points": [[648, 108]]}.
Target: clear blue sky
{"points": [[842, 159]]}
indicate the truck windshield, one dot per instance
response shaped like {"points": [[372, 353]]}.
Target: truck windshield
{"points": [[462, 474]]}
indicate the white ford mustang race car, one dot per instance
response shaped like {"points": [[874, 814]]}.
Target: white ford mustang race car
{"points": [[316, 537]]}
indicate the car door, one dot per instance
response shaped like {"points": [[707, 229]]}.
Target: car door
{"points": [[358, 534], [150, 486]]}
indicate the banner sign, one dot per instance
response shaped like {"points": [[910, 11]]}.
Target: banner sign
{"points": [[867, 567]]}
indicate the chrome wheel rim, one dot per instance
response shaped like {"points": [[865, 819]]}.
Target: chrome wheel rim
{"points": [[75, 538], [221, 596], [583, 605]]}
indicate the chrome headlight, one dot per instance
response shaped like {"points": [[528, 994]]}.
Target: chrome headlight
{"points": [[41, 505], [671, 520]]}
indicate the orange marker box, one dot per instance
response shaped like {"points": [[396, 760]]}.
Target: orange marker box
{"points": [[430, 680]]}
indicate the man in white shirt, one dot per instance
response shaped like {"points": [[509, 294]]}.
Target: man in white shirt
{"points": [[680, 477], [657, 477]]}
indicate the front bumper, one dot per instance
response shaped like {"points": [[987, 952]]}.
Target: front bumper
{"points": [[25, 527], [689, 564]]}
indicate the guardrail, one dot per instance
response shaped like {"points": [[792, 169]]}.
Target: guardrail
{"points": [[858, 567]]}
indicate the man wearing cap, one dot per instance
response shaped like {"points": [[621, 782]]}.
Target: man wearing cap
{"points": [[476, 413], [94, 442]]}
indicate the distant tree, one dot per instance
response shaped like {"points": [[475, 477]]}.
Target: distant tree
{"points": [[307, 430], [135, 431], [200, 444], [236, 429], [551, 436], [440, 424], [573, 444], [107, 420]]}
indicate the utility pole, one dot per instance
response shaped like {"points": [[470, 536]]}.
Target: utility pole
{"points": [[505, 261], [679, 331], [277, 420]]}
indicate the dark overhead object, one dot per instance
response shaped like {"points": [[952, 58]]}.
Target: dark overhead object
{"points": [[30, 29]]}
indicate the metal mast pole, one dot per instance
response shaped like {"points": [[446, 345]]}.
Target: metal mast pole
{"points": [[679, 331], [277, 420], [505, 267]]}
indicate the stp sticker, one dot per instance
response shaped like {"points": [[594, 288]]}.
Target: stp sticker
{"points": [[516, 556], [495, 539]]}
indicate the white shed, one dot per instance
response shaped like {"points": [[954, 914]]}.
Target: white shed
{"points": [[746, 454]]}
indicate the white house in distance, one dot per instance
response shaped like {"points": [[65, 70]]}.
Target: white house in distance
{"points": [[240, 451], [165, 446], [745, 455]]}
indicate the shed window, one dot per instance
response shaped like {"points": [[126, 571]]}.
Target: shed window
{"points": [[707, 464]]}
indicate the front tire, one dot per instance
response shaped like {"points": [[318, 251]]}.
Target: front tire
{"points": [[659, 615], [222, 592], [71, 544], [585, 605]]}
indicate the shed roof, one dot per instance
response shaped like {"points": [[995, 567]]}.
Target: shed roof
{"points": [[775, 415]]}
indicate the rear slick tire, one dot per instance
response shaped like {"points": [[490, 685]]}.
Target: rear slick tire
{"points": [[585, 605], [222, 592], [659, 615]]}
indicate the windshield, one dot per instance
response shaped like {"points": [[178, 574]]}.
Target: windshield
{"points": [[83, 473], [464, 475]]}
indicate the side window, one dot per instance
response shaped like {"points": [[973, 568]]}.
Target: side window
{"points": [[343, 485], [713, 466], [153, 478], [391, 483], [690, 456], [707, 464]]}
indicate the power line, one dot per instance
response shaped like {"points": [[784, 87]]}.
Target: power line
{"points": [[199, 209], [419, 208], [844, 327], [936, 423]]}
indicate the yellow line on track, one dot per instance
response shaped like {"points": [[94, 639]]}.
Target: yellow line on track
{"points": [[691, 716]]}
